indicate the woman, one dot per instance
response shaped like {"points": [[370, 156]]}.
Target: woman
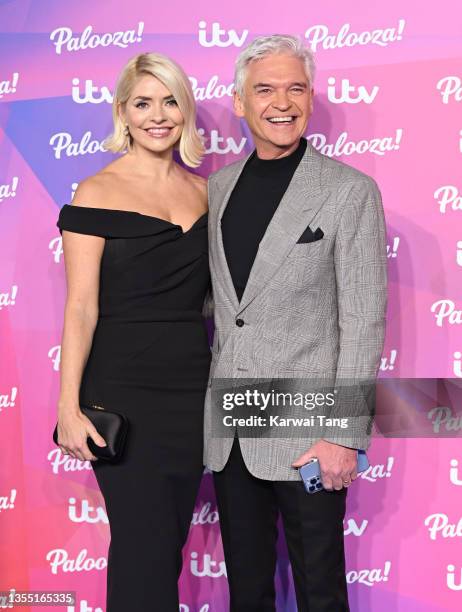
{"points": [[134, 339]]}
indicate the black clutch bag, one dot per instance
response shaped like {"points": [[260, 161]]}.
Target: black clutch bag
{"points": [[113, 426]]}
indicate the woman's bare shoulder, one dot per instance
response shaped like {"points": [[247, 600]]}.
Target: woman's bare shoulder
{"points": [[198, 178], [196, 182], [95, 191]]}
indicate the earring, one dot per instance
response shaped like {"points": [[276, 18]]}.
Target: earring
{"points": [[126, 131]]}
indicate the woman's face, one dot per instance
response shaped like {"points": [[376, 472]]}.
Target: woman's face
{"points": [[152, 115]]}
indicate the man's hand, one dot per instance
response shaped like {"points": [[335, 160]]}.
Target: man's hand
{"points": [[338, 464]]}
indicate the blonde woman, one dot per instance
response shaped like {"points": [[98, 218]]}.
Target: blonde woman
{"points": [[134, 339]]}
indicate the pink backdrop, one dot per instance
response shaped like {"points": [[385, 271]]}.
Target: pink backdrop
{"points": [[388, 101]]}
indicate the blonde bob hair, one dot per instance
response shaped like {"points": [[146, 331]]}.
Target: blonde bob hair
{"points": [[174, 78]]}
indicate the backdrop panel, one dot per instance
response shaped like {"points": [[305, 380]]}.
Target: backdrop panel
{"points": [[388, 101]]}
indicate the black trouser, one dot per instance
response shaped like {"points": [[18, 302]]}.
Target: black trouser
{"points": [[313, 525]]}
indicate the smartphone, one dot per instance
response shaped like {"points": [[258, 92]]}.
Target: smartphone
{"points": [[311, 474]]}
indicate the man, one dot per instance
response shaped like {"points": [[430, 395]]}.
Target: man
{"points": [[298, 263]]}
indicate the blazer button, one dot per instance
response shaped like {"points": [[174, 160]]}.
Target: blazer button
{"points": [[239, 322]]}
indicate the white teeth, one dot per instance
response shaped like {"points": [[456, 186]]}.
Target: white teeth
{"points": [[158, 130], [280, 119]]}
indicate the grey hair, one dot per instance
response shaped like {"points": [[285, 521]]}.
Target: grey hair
{"points": [[272, 45]]}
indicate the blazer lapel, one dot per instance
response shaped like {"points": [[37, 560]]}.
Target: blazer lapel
{"points": [[221, 257], [300, 203]]}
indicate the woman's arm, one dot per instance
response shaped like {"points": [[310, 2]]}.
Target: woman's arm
{"points": [[82, 256]]}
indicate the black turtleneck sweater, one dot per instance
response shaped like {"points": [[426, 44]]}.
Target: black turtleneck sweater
{"points": [[251, 206]]}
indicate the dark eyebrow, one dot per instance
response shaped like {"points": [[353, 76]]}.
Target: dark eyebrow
{"points": [[144, 98]]}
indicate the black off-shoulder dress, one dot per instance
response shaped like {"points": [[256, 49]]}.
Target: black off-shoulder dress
{"points": [[149, 359]]}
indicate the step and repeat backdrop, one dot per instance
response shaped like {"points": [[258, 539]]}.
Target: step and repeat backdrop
{"points": [[388, 101]]}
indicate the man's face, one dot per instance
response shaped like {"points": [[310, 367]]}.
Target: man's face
{"points": [[277, 103]]}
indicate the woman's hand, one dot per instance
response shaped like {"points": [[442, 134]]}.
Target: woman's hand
{"points": [[73, 430]]}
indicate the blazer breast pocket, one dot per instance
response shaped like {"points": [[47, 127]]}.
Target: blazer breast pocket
{"points": [[310, 236]]}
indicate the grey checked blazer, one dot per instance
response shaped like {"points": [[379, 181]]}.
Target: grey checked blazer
{"points": [[309, 309]]}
